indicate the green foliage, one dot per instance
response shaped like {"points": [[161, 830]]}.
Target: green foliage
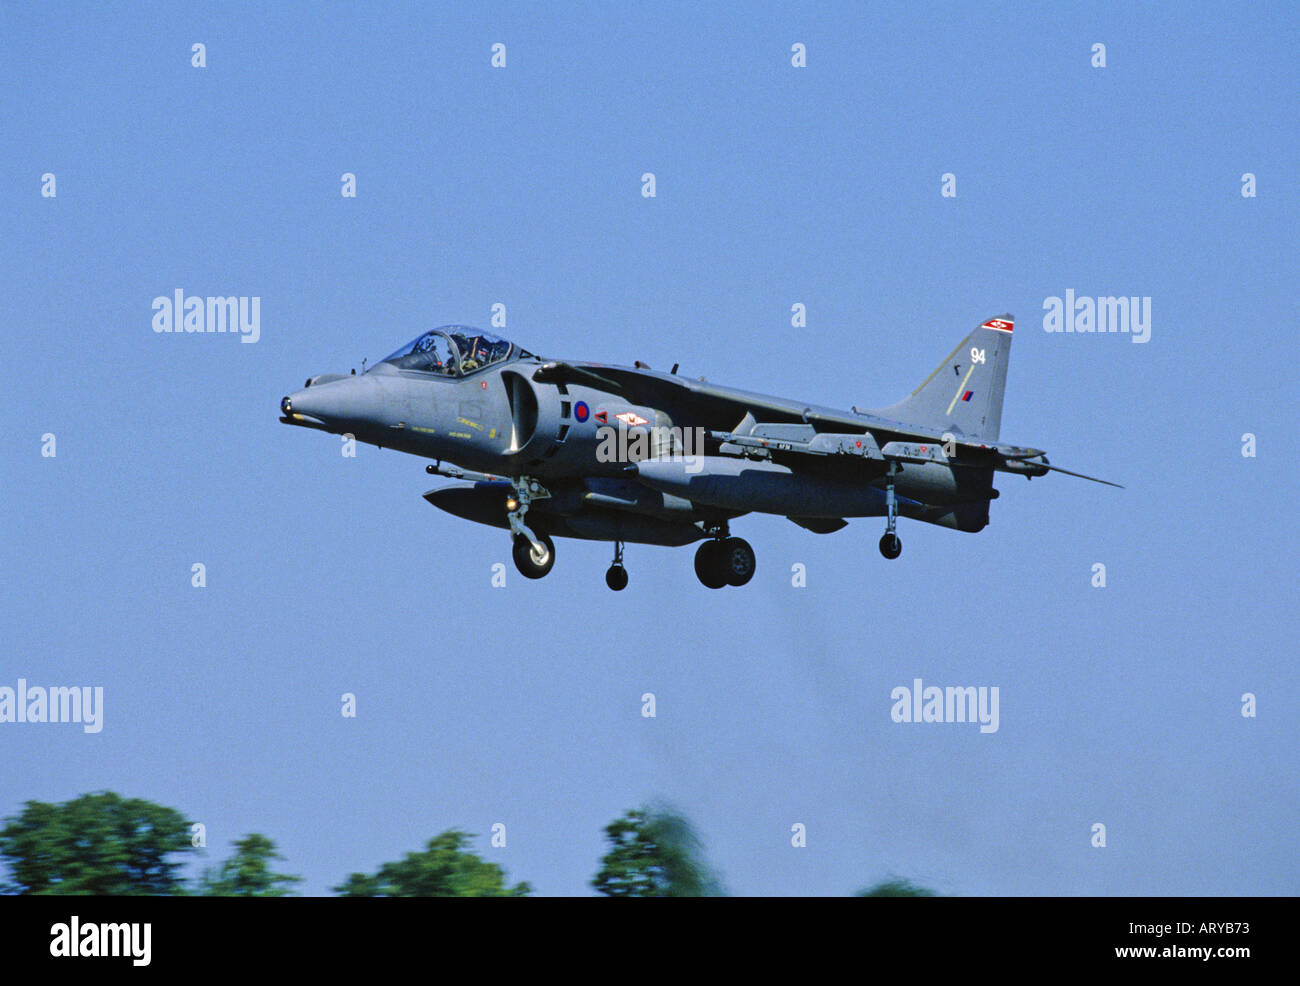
{"points": [[896, 887], [248, 872], [443, 869], [99, 844], [654, 853], [107, 845]]}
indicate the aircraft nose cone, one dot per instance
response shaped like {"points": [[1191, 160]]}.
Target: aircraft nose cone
{"points": [[304, 405], [340, 402]]}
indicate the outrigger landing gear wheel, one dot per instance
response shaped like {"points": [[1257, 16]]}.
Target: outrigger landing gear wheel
{"points": [[534, 564], [616, 576], [890, 546]]}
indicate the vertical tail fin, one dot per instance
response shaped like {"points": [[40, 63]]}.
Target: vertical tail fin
{"points": [[964, 393]]}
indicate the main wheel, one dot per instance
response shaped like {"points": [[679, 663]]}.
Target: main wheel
{"points": [[616, 578], [707, 567], [531, 563], [890, 546], [736, 559]]}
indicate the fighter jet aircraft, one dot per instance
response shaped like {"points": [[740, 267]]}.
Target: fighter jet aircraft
{"points": [[560, 448]]}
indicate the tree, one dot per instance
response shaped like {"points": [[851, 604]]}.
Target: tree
{"points": [[248, 872], [896, 887], [443, 869], [98, 843], [654, 852]]}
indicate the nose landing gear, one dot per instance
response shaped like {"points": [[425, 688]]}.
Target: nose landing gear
{"points": [[535, 558], [533, 551]]}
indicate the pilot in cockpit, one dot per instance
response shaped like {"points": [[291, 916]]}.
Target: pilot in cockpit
{"points": [[451, 351]]}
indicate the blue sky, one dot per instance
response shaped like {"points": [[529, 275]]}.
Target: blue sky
{"points": [[775, 185]]}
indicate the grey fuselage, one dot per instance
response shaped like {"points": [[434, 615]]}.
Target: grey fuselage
{"points": [[505, 422], [588, 450]]}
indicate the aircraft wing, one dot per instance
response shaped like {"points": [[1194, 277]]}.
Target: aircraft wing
{"points": [[738, 419], [720, 409], [697, 402]]}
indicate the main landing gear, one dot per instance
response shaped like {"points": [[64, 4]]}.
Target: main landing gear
{"points": [[721, 560], [890, 546], [724, 560]]}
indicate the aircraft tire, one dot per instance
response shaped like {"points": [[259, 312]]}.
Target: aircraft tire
{"points": [[737, 561], [707, 565], [530, 565], [891, 546], [616, 578]]}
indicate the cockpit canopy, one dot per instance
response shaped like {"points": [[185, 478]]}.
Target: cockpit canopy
{"points": [[453, 351]]}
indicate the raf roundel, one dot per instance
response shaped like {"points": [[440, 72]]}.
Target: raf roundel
{"points": [[582, 412]]}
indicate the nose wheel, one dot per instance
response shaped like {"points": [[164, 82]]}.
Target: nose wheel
{"points": [[533, 551], [534, 558], [616, 576]]}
